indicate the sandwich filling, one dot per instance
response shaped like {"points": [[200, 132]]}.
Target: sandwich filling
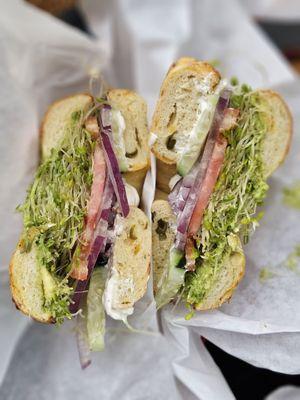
{"points": [[215, 213], [188, 145], [54, 212], [70, 208], [240, 188]]}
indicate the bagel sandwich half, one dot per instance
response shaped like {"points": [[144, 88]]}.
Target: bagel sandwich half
{"points": [[81, 218], [217, 143]]}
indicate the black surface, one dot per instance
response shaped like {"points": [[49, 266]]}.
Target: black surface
{"points": [[75, 18], [286, 36], [245, 380]]}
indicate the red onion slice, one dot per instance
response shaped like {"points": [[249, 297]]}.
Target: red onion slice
{"points": [[79, 269], [82, 342], [104, 121], [180, 241], [208, 184], [99, 242], [177, 198]]}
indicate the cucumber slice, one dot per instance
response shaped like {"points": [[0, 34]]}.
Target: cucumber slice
{"points": [[172, 280], [198, 134], [95, 310]]}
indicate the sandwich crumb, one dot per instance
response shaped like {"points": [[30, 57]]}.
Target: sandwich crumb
{"points": [[293, 259], [291, 195], [265, 274], [234, 81], [215, 63], [191, 312]]}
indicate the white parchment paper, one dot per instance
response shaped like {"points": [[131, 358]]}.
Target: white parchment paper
{"points": [[43, 59]]}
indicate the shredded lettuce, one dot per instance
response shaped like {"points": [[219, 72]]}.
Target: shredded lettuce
{"points": [[172, 279], [240, 188], [55, 207], [95, 310]]}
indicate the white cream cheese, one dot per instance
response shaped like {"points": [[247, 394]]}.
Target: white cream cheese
{"points": [[186, 140], [112, 294], [118, 225], [174, 180], [115, 284], [118, 128], [189, 144], [132, 195]]}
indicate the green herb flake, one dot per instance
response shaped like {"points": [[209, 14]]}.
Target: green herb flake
{"points": [[215, 62], [292, 261], [234, 81], [265, 274], [291, 195], [76, 116], [191, 312], [189, 315]]}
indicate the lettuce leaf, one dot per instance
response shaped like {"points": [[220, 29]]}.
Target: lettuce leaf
{"points": [[95, 309], [172, 279]]}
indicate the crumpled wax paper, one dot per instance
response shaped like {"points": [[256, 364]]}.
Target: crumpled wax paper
{"points": [[43, 59]]}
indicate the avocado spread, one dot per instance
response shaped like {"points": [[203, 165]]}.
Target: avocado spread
{"points": [[240, 188], [54, 212]]}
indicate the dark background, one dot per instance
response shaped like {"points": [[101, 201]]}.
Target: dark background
{"points": [[246, 381]]}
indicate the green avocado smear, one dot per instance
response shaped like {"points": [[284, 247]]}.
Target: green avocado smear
{"points": [[240, 188], [54, 212]]}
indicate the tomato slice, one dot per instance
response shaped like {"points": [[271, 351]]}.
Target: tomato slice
{"points": [[79, 268], [213, 170], [207, 187]]}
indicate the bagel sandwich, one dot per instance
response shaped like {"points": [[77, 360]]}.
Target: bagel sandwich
{"points": [[85, 243], [216, 144]]}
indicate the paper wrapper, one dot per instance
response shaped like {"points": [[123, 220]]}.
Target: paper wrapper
{"points": [[42, 60], [274, 10]]}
